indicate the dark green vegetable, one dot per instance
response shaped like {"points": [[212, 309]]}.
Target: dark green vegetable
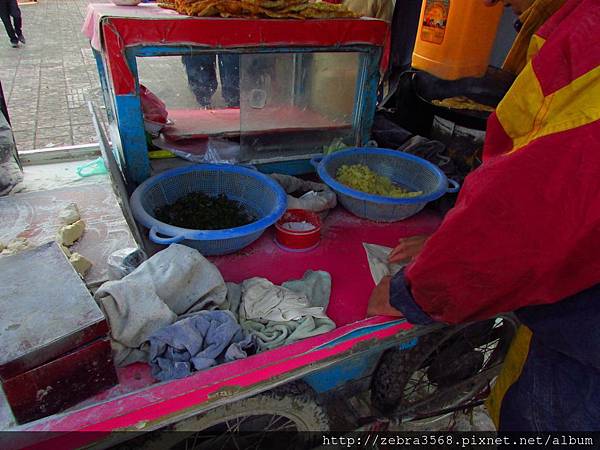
{"points": [[198, 211]]}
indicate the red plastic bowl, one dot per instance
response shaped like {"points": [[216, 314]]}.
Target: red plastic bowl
{"points": [[298, 239]]}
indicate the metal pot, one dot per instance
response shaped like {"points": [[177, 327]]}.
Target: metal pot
{"points": [[487, 90]]}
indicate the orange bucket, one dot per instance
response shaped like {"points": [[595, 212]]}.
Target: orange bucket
{"points": [[455, 38]]}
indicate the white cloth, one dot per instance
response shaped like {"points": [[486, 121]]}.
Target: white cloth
{"points": [[377, 255], [314, 286], [174, 282], [262, 300], [318, 198]]}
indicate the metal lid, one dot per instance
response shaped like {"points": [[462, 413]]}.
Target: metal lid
{"points": [[45, 309]]}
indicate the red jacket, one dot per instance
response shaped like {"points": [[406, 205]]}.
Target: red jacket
{"points": [[526, 226]]}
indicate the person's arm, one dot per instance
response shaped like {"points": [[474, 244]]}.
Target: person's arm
{"points": [[379, 302], [407, 249], [526, 228], [391, 297], [525, 231]]}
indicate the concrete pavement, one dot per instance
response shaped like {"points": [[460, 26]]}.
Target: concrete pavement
{"points": [[48, 81]]}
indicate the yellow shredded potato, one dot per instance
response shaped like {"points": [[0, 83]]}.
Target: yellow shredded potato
{"points": [[361, 178]]}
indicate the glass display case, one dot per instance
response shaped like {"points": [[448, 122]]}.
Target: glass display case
{"points": [[254, 108], [271, 93]]}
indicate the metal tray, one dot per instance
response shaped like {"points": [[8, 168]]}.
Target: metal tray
{"points": [[45, 309]]}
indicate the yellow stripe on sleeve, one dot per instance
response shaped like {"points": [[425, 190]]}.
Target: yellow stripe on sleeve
{"points": [[526, 115]]}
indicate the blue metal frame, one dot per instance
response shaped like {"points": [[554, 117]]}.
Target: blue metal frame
{"points": [[133, 137], [336, 376], [126, 112], [362, 332], [356, 367], [104, 83], [129, 147], [367, 102]]}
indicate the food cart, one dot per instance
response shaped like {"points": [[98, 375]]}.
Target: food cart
{"points": [[294, 387]]}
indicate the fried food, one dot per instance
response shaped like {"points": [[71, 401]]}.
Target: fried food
{"points": [[166, 5], [275, 9], [275, 4], [318, 13], [462, 102]]}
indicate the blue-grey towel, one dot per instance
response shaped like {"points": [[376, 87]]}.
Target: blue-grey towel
{"points": [[196, 343]]}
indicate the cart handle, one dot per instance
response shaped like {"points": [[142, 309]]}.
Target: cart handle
{"points": [[455, 186], [316, 161], [164, 241]]}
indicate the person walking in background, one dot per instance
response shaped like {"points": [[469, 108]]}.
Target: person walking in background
{"points": [[202, 77], [8, 9]]}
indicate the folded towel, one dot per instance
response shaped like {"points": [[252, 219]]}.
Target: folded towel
{"points": [[197, 342]]}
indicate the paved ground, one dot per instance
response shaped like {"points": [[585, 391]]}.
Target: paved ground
{"points": [[48, 81]]}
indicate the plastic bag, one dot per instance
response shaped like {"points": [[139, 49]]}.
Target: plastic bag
{"points": [[315, 197], [390, 135], [210, 151], [335, 145], [221, 151], [95, 167], [124, 261], [432, 151], [153, 108]]}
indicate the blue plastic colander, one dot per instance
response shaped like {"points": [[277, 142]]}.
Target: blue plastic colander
{"points": [[262, 197], [403, 169]]}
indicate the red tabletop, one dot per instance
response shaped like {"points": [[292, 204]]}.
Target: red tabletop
{"points": [[340, 253]]}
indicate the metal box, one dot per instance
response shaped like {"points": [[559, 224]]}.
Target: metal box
{"points": [[53, 335]]}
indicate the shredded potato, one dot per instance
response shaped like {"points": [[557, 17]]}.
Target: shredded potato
{"points": [[361, 178]]}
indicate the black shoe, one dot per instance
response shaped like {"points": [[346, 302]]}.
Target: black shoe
{"points": [[14, 44], [21, 39]]}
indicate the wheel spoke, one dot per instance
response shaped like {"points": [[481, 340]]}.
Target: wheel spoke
{"points": [[238, 422], [417, 392], [288, 425], [417, 377], [274, 418], [229, 429], [416, 382], [242, 420], [421, 395], [194, 442], [234, 440], [278, 419]]}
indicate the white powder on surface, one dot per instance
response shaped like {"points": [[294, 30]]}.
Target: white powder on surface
{"points": [[298, 226]]}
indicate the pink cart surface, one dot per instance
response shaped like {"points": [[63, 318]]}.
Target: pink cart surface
{"points": [[138, 403]]}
